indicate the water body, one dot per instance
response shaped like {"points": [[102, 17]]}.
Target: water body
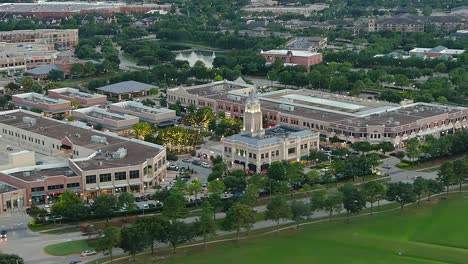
{"points": [[192, 56]]}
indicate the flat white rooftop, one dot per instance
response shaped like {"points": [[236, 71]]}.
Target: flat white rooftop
{"points": [[322, 101], [39, 98], [297, 53], [139, 107]]}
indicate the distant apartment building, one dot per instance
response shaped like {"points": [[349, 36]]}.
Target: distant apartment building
{"points": [[435, 52], [113, 121], [72, 94], [94, 162], [161, 116], [293, 57], [413, 23], [60, 38], [44, 103]]}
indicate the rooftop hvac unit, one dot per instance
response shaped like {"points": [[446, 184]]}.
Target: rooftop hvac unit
{"points": [[29, 120], [287, 107], [26, 173], [98, 139], [68, 173], [120, 153]]}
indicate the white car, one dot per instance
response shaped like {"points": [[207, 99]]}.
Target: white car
{"points": [[325, 169], [145, 206], [205, 165], [88, 253]]}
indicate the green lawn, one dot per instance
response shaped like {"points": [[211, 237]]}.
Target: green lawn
{"points": [[419, 235], [70, 247]]}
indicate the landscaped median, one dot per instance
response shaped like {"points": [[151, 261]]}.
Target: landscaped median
{"points": [[71, 247]]}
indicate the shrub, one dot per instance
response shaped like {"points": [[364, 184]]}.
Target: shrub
{"points": [[193, 153], [171, 155], [403, 165]]}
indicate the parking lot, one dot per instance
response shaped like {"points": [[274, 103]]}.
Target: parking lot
{"points": [[200, 172]]}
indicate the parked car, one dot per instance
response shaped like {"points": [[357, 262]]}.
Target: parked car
{"points": [[173, 167], [197, 162], [145, 206], [205, 165], [187, 160], [88, 253], [137, 199]]}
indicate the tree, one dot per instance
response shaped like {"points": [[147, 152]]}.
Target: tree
{"points": [[239, 216], [126, 199], [333, 202], [179, 232], [251, 194], [77, 70], [299, 211], [446, 175], [385, 146], [104, 206], [373, 192], [433, 187], [413, 148], [195, 187], [420, 187], [70, 206], [460, 171], [142, 130], [277, 171], [154, 229], [175, 206], [401, 193], [37, 213], [10, 259], [216, 187], [353, 199], [110, 238], [278, 209], [132, 240], [205, 224], [216, 202], [362, 146], [55, 75]]}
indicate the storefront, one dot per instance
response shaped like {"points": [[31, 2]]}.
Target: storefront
{"points": [[11, 198]]}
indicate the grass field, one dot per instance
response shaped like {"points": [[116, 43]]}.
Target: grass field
{"points": [[429, 233], [70, 247]]}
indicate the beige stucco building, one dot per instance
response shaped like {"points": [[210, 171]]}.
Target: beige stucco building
{"points": [[256, 148], [96, 162]]}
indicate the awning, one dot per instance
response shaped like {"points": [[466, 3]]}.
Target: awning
{"points": [[135, 183], [56, 192], [120, 185], [106, 187], [92, 189], [35, 194]]}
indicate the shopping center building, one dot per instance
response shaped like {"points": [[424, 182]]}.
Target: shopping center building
{"points": [[348, 118], [78, 158]]}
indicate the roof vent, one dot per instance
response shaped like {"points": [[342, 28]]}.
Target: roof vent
{"points": [[29, 120], [120, 153], [99, 139]]}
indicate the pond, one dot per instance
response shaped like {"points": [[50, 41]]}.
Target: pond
{"points": [[192, 56]]}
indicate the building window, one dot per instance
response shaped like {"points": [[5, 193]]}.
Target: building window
{"points": [[262, 156], [90, 179], [255, 156], [135, 174], [106, 177], [55, 187], [291, 150], [37, 189], [277, 153], [120, 176], [73, 185]]}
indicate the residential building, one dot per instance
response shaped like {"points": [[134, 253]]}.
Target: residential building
{"points": [[277, 10], [115, 122], [435, 52], [91, 162], [293, 57], [349, 118], [413, 23], [126, 90], [46, 104], [61, 38], [161, 116], [74, 95], [256, 148], [312, 44]]}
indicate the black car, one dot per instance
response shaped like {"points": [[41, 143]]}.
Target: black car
{"points": [[28, 210], [137, 199]]}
